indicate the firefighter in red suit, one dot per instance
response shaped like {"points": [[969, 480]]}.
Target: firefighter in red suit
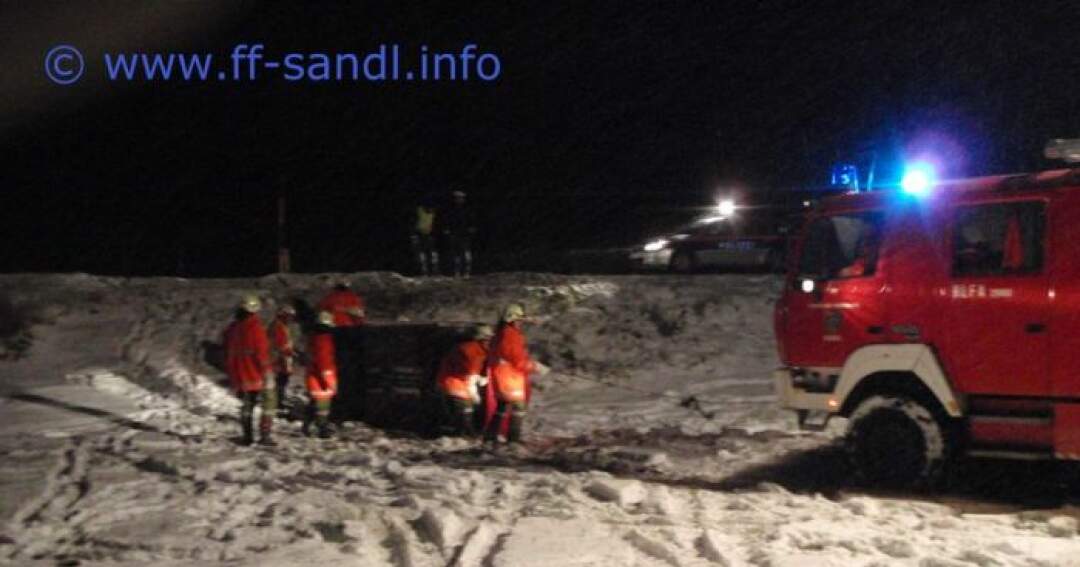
{"points": [[508, 388], [282, 349], [461, 372], [346, 306], [322, 379], [247, 361]]}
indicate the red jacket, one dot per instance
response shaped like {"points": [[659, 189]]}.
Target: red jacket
{"points": [[281, 340], [509, 345], [322, 367], [247, 353], [467, 358], [509, 366], [346, 306]]}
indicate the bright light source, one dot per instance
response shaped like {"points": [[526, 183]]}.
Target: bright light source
{"points": [[1068, 150], [726, 208], [656, 245], [918, 179], [808, 286]]}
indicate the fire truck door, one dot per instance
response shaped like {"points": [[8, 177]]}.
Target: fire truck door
{"points": [[997, 325], [840, 308]]}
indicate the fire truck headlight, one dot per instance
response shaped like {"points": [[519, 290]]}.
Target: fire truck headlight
{"points": [[918, 179], [807, 286], [656, 245], [726, 208]]}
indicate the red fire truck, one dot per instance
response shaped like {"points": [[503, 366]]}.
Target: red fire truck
{"points": [[941, 325]]}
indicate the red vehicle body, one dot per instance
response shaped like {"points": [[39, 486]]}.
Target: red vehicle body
{"points": [[942, 325]]}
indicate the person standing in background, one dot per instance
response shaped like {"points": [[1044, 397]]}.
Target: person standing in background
{"points": [[283, 350], [345, 305], [423, 238], [459, 226]]}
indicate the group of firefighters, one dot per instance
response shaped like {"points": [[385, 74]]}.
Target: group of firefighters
{"points": [[490, 369], [457, 225]]}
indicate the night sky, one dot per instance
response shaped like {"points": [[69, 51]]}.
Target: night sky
{"points": [[606, 117]]}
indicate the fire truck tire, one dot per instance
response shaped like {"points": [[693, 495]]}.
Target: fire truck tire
{"points": [[897, 441], [682, 262]]}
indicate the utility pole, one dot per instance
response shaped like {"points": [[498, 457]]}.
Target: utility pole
{"points": [[283, 261]]}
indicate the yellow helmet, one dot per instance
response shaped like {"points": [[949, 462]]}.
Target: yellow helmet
{"points": [[513, 312], [326, 318], [483, 332], [251, 304]]}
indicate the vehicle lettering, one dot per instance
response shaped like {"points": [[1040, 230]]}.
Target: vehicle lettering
{"points": [[969, 291], [735, 245]]}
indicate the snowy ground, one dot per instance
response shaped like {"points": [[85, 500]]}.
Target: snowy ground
{"points": [[656, 441]]}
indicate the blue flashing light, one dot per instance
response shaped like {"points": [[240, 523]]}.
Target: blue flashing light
{"points": [[845, 175], [918, 179]]}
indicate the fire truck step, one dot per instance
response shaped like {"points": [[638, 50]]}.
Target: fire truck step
{"points": [[1006, 454], [997, 432]]}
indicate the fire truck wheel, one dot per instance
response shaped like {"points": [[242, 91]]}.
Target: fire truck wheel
{"points": [[897, 441], [682, 262]]}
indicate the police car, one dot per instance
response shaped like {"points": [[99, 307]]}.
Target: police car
{"points": [[734, 239]]}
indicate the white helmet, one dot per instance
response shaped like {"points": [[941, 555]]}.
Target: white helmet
{"points": [[483, 332], [326, 318], [251, 304], [513, 312], [287, 309]]}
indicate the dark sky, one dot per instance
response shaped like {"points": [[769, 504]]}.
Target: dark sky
{"points": [[606, 115]]}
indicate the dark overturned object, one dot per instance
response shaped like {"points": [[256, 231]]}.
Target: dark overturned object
{"points": [[386, 373]]}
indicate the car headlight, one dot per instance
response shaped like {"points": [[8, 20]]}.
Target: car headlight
{"points": [[655, 245]]}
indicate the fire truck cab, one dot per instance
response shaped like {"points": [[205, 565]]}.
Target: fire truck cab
{"points": [[940, 325]]}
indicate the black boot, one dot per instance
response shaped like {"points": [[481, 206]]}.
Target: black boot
{"points": [[247, 415], [517, 422], [249, 436], [309, 417], [468, 427], [323, 422]]}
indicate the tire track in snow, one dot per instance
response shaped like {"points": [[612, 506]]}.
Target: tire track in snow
{"points": [[40, 527]]}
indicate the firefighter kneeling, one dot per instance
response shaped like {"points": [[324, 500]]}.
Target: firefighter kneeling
{"points": [[461, 372], [321, 375], [509, 366]]}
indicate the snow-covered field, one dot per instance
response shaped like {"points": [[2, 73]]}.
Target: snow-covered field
{"points": [[655, 441]]}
